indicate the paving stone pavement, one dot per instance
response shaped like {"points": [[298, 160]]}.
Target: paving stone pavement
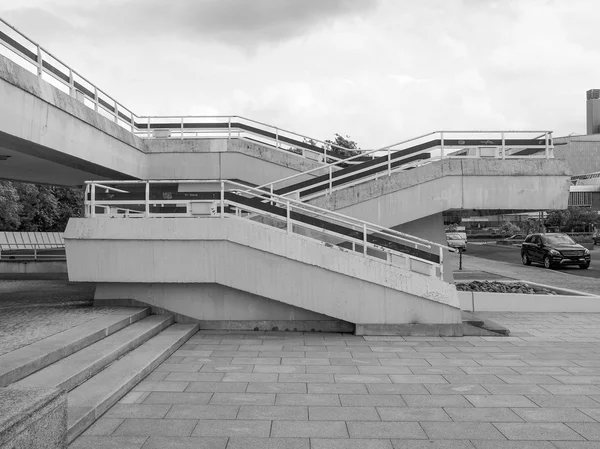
{"points": [[537, 389], [33, 310]]}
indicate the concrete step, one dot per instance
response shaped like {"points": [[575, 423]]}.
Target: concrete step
{"points": [[31, 358], [75, 369], [92, 398]]}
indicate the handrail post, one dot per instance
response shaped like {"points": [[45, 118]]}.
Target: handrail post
{"points": [[330, 179], [441, 263], [93, 201], [222, 199], [272, 194], [40, 63], [132, 122], [34, 253], [116, 112], [364, 239], [229, 128], [148, 135], [181, 128], [276, 137], [287, 218], [547, 151], [503, 145], [71, 84], [442, 145], [95, 99], [147, 199], [389, 161]]}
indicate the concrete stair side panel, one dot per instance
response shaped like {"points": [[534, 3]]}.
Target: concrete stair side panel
{"points": [[24, 361], [91, 399], [80, 366], [479, 184]]}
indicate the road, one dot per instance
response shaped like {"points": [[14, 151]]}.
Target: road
{"points": [[512, 255]]}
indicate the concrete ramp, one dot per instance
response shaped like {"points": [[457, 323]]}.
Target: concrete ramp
{"points": [[470, 184], [179, 260]]}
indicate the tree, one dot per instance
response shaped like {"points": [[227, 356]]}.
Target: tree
{"points": [[509, 228], [348, 146], [10, 208], [32, 207], [573, 219]]}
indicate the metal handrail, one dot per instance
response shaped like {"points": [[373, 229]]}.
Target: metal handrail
{"points": [[117, 110], [388, 149], [261, 193], [362, 226]]}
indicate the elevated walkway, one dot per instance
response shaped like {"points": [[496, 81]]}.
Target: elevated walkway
{"points": [[57, 127], [272, 261]]}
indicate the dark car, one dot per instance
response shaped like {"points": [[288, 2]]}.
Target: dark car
{"points": [[553, 250]]}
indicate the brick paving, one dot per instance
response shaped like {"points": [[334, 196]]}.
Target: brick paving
{"points": [[538, 389], [33, 310]]}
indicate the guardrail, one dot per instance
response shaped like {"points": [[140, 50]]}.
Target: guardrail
{"points": [[34, 251], [31, 56], [229, 199], [424, 149]]}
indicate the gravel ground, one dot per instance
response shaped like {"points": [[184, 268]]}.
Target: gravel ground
{"points": [[33, 310]]}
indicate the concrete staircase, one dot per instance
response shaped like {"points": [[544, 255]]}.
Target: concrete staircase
{"points": [[97, 362]]}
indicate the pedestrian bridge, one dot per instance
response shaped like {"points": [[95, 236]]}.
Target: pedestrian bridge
{"points": [[233, 222]]}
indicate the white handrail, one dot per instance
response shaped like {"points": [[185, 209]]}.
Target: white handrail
{"points": [[309, 208], [388, 148]]}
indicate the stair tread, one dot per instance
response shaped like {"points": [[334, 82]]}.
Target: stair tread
{"points": [[101, 391], [97, 355], [20, 363]]}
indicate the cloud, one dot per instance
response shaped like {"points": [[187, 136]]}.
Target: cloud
{"points": [[239, 23]]}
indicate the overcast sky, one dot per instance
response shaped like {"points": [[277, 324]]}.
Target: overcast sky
{"points": [[377, 70]]}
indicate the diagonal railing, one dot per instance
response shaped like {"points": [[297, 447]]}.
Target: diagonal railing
{"points": [[229, 199], [33, 57], [424, 149]]}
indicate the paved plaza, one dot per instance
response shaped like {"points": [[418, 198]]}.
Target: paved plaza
{"points": [[539, 389]]}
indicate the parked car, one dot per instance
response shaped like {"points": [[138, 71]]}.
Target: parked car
{"points": [[457, 240], [554, 249], [516, 237]]}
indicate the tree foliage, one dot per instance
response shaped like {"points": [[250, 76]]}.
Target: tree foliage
{"points": [[342, 146], [509, 228], [34, 207], [573, 219]]}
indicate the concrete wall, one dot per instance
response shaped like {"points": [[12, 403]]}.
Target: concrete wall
{"points": [[513, 302], [215, 306], [256, 259], [581, 153], [224, 159], [17, 269], [33, 418], [38, 120], [53, 138], [407, 196], [432, 229]]}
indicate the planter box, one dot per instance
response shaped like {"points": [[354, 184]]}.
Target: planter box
{"points": [[565, 301]]}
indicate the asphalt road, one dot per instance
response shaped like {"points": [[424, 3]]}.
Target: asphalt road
{"points": [[512, 255]]}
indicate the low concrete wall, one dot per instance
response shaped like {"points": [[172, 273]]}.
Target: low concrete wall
{"points": [[257, 259], [565, 301], [215, 306], [33, 418], [32, 269]]}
